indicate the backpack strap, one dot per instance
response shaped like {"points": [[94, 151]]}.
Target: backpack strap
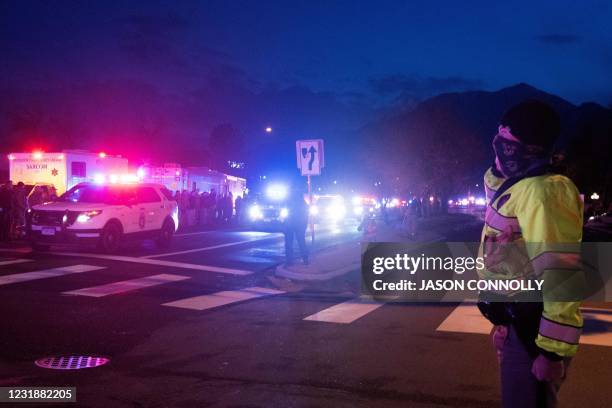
{"points": [[502, 222], [538, 171]]}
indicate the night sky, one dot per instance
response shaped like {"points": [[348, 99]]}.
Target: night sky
{"points": [[307, 68]]}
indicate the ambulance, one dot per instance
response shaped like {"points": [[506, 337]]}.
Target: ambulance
{"points": [[64, 169]]}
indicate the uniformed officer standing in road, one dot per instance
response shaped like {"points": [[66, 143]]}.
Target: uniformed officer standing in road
{"points": [[541, 211], [295, 224]]}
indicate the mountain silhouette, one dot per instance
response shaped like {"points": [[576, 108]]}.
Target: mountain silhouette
{"points": [[459, 127]]}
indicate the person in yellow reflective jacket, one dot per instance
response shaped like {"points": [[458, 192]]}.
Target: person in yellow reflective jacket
{"points": [[540, 213]]}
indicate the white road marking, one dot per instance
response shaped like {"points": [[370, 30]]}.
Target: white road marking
{"points": [[14, 261], [126, 285], [188, 234], [47, 273], [598, 339], [145, 261], [204, 302], [346, 312], [466, 318], [189, 251]]}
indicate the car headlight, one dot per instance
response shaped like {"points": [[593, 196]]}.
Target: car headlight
{"points": [[86, 216], [336, 211], [277, 192], [255, 213], [284, 213], [358, 210], [314, 210]]}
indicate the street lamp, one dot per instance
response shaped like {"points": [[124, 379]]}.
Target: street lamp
{"points": [[268, 129], [594, 196]]}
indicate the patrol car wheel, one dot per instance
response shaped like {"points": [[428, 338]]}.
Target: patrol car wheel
{"points": [[110, 238], [165, 234]]}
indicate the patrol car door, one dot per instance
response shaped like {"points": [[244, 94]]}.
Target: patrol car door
{"points": [[150, 208], [128, 211]]}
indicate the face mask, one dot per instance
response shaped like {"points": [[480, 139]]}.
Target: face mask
{"points": [[513, 158]]}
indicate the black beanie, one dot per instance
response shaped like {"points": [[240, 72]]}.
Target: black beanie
{"points": [[533, 123]]}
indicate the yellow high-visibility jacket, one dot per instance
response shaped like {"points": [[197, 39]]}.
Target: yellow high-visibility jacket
{"points": [[546, 213]]}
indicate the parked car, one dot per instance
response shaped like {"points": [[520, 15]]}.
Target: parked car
{"points": [[105, 214]]}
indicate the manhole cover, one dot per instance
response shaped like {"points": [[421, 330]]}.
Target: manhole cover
{"points": [[71, 362]]}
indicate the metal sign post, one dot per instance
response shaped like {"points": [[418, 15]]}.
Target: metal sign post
{"points": [[312, 232], [310, 161]]}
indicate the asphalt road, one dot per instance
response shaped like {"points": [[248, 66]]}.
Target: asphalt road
{"points": [[203, 324]]}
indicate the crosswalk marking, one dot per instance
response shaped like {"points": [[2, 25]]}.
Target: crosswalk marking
{"points": [[345, 313], [126, 285], [204, 302], [157, 262], [466, 318], [603, 338], [47, 273], [14, 261]]}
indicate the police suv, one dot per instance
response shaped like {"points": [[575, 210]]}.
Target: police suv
{"points": [[105, 214]]}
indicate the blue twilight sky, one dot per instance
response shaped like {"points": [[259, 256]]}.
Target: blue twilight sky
{"points": [[256, 63], [345, 47]]}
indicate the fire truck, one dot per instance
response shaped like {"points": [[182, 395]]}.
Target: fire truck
{"points": [[174, 177], [205, 179], [64, 169]]}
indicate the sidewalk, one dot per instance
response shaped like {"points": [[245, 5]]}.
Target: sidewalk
{"points": [[341, 259], [325, 264]]}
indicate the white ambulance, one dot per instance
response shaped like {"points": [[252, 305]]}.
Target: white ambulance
{"points": [[64, 169]]}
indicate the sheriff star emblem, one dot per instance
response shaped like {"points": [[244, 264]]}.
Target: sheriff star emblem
{"points": [[54, 172]]}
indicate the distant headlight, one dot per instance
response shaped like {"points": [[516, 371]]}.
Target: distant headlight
{"points": [[277, 192], [255, 213], [336, 211], [86, 216], [314, 210], [284, 213]]}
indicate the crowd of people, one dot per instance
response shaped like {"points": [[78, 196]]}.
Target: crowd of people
{"points": [[14, 204], [201, 208], [195, 207]]}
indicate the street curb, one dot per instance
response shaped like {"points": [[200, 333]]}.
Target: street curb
{"points": [[281, 271], [285, 273]]}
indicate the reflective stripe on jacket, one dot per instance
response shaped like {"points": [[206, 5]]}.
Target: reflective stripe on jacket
{"points": [[545, 213]]}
